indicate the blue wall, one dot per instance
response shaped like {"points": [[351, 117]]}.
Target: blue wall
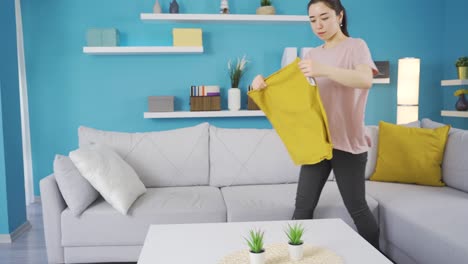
{"points": [[455, 45], [11, 157], [68, 88]]}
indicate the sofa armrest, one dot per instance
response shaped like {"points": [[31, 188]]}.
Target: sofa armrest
{"points": [[52, 208]]}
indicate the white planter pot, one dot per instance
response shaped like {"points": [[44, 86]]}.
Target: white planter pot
{"points": [[234, 99], [296, 252], [257, 258], [266, 10]]}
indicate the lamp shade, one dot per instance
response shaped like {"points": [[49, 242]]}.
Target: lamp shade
{"points": [[408, 90], [408, 81]]}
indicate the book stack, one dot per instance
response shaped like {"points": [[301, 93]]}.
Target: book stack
{"points": [[205, 98]]}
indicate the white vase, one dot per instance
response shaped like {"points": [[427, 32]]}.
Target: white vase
{"points": [[157, 8], [257, 258], [296, 252], [234, 99]]}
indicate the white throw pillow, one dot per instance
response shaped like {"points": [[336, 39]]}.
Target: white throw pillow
{"points": [[373, 133], [76, 190], [109, 174], [454, 168]]}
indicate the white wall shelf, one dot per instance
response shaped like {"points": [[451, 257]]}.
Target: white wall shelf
{"points": [[216, 18], [194, 114], [454, 82], [381, 81], [143, 50], [455, 113]]}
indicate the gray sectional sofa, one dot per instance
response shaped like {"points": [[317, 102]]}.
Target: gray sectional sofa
{"points": [[208, 174]]}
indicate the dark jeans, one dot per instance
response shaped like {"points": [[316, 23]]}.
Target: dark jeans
{"points": [[349, 172]]}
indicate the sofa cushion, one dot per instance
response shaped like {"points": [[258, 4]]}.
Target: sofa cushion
{"points": [[75, 189], [101, 225], [253, 156], [428, 223], [373, 134], [161, 159], [109, 174], [410, 155], [276, 202], [455, 163]]}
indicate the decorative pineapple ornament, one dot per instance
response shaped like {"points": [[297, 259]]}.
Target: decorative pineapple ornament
{"points": [[224, 7]]}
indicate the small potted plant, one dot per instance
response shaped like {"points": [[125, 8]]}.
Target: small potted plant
{"points": [[266, 8], [255, 242], [462, 104], [462, 65], [295, 243], [236, 71]]}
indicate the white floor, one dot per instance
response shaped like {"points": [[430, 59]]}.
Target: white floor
{"points": [[29, 248]]}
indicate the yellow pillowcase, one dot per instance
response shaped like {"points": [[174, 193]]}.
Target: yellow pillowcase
{"points": [[295, 110], [410, 155]]}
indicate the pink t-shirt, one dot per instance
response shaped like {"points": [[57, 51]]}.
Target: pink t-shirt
{"points": [[344, 106]]}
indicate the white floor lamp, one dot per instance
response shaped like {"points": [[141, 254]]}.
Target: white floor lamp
{"points": [[408, 90]]}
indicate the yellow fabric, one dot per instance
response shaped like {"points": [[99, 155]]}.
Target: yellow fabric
{"points": [[295, 111], [410, 155]]}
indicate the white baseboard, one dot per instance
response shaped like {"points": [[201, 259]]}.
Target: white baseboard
{"points": [[7, 239]]}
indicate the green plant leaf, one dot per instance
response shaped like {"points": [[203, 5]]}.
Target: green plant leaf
{"points": [[265, 2], [236, 70], [255, 241], [462, 62], [294, 234]]}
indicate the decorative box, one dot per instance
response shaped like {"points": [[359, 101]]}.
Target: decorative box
{"points": [[384, 69], [93, 37], [205, 103], [191, 37], [251, 105], [102, 37], [110, 37], [161, 103]]}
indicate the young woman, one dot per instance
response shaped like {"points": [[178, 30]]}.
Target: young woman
{"points": [[343, 69]]}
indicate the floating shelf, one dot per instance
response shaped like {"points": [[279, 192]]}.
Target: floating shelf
{"points": [[196, 18], [194, 114], [454, 82], [381, 81], [455, 113], [141, 50]]}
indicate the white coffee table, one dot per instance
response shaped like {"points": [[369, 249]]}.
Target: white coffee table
{"points": [[209, 243]]}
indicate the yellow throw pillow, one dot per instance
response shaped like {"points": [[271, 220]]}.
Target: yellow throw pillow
{"points": [[410, 155]]}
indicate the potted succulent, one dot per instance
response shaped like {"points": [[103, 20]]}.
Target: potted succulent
{"points": [[266, 8], [462, 65], [462, 104], [236, 71], [295, 243], [255, 242]]}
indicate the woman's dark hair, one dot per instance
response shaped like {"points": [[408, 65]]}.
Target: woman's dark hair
{"points": [[338, 7]]}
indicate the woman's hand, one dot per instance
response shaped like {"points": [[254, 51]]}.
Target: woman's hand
{"points": [[311, 68], [258, 83]]}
